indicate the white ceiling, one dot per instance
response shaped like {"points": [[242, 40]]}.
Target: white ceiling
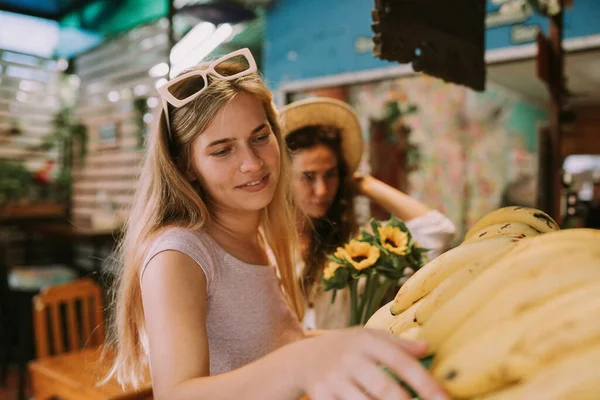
{"points": [[582, 71]]}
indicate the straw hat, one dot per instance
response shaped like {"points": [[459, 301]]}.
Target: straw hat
{"points": [[328, 112]]}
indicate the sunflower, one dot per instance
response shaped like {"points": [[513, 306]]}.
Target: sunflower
{"points": [[329, 271], [393, 239], [340, 253], [361, 254]]}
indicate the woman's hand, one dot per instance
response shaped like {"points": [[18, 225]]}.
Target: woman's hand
{"points": [[345, 364], [358, 180]]}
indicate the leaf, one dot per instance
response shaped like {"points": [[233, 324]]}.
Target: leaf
{"points": [[366, 236], [375, 225], [338, 281], [425, 362], [398, 223]]}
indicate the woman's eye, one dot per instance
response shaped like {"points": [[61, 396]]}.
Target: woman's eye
{"points": [[261, 138], [309, 176], [221, 153]]}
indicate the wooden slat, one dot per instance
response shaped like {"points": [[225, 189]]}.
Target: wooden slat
{"points": [[32, 116], [114, 186], [73, 332], [99, 330], [42, 347], [108, 118], [119, 199], [28, 129], [86, 320], [115, 156], [127, 142], [116, 172], [20, 153], [57, 332]]}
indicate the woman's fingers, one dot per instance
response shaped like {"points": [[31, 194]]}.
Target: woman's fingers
{"points": [[339, 386], [418, 349], [399, 359], [379, 385]]}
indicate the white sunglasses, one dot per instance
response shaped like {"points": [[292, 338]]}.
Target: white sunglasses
{"points": [[213, 69]]}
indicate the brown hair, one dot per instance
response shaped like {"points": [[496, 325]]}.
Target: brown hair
{"points": [[336, 227], [165, 197]]}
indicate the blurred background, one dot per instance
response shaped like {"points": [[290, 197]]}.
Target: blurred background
{"points": [[78, 83]]}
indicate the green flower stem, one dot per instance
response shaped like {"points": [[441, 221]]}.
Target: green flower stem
{"points": [[378, 296], [368, 297], [363, 299], [353, 303]]}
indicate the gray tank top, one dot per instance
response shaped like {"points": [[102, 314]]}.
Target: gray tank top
{"points": [[248, 316]]}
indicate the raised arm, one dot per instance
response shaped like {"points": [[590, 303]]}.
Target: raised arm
{"points": [[430, 228], [390, 199], [340, 364]]}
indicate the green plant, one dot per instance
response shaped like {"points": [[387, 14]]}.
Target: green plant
{"points": [[140, 105], [15, 181], [70, 138]]}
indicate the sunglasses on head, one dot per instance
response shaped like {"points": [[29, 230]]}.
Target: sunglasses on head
{"points": [[197, 80]]}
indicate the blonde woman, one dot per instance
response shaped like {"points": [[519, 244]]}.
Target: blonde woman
{"points": [[325, 140], [207, 293]]}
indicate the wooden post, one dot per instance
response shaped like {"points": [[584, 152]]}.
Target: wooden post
{"points": [[557, 91], [550, 69]]}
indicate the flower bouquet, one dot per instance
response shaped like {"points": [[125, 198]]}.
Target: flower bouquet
{"points": [[371, 265]]}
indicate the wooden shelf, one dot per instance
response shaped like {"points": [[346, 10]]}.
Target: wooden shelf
{"points": [[33, 210]]}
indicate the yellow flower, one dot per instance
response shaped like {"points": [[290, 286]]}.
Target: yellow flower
{"points": [[329, 271], [340, 253], [361, 255], [393, 239]]}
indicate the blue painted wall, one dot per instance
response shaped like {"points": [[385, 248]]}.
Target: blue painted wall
{"points": [[315, 38]]}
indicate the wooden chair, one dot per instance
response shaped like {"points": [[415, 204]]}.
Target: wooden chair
{"points": [[68, 317]]}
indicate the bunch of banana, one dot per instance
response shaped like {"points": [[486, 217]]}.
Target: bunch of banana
{"points": [[512, 313], [529, 257], [526, 316]]}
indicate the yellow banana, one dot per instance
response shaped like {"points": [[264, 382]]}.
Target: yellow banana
{"points": [[513, 229], [381, 319], [559, 275], [437, 270], [574, 377], [411, 334], [405, 320], [455, 282], [484, 364], [527, 256], [535, 218]]}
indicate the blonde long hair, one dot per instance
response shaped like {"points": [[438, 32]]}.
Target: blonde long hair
{"points": [[164, 197]]}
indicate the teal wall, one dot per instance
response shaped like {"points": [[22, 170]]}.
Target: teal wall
{"points": [[315, 38]]}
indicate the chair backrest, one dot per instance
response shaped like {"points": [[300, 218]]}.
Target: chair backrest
{"points": [[68, 317]]}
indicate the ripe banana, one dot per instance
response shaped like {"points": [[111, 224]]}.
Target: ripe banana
{"points": [[382, 319], [527, 256], [405, 320], [437, 270], [558, 276], [518, 230], [455, 282], [575, 376], [486, 363], [535, 218], [411, 334]]}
